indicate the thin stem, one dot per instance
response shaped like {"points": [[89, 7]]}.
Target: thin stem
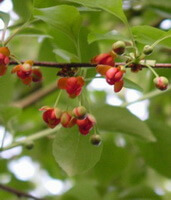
{"points": [[33, 137], [57, 99], [147, 96], [158, 41], [14, 58], [18, 193], [152, 70], [3, 34]]}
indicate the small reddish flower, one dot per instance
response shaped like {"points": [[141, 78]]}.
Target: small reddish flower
{"points": [[36, 75], [72, 85], [51, 116], [4, 59], [161, 82], [85, 125], [104, 59], [79, 112], [67, 120]]}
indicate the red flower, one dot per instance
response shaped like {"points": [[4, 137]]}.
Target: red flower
{"points": [[26, 73], [72, 85], [4, 59], [85, 125], [51, 116], [104, 59], [67, 120]]}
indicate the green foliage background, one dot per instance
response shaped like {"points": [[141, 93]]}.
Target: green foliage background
{"points": [[75, 31]]}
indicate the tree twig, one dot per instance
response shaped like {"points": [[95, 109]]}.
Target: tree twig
{"points": [[61, 65], [35, 96], [18, 193]]}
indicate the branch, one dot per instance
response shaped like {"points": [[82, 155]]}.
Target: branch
{"points": [[35, 96], [32, 138], [61, 65], [17, 192]]}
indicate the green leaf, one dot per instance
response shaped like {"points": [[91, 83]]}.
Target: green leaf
{"points": [[157, 154], [132, 85], [83, 190], [121, 120], [64, 18], [32, 32], [112, 35], [8, 113], [113, 7], [149, 35], [24, 9], [73, 151], [67, 56], [5, 18], [7, 88], [110, 161]]}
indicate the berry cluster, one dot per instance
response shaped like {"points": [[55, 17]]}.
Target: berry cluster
{"points": [[79, 117], [26, 73], [114, 75]]}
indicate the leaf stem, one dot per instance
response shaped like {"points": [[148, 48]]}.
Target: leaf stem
{"points": [[147, 96], [158, 41], [32, 138], [152, 70], [57, 99]]}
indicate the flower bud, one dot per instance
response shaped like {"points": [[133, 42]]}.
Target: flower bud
{"points": [[79, 112], [113, 75], [147, 49], [161, 82], [95, 140], [119, 47]]}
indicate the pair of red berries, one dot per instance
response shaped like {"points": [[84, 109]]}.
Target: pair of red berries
{"points": [[4, 59], [27, 73], [105, 66], [72, 85], [79, 116]]}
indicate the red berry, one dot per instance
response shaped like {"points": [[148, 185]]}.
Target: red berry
{"points": [[85, 125], [51, 116], [104, 59], [74, 86]]}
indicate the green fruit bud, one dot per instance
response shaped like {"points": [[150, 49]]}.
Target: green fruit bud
{"points": [[119, 47], [95, 140], [79, 112], [58, 113], [147, 49], [161, 82]]}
